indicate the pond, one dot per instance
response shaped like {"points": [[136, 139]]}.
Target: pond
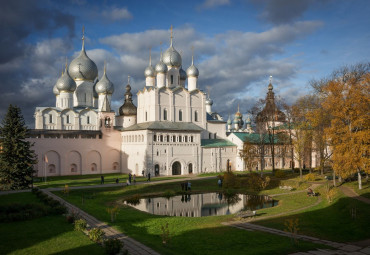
{"points": [[200, 205]]}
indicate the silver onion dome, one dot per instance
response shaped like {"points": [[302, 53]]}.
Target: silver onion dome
{"points": [[183, 75], [161, 67], [171, 57], [192, 71], [209, 101], [104, 86], [149, 71], [66, 83], [55, 90], [83, 68]]}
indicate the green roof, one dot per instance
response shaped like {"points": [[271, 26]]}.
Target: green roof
{"points": [[164, 125], [211, 143], [256, 138]]}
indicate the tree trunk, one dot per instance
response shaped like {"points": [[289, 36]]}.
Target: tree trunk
{"points": [[359, 179], [334, 181], [300, 172]]}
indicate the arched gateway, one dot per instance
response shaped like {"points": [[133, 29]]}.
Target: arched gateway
{"points": [[176, 168]]}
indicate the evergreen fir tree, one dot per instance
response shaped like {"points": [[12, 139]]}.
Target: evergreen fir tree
{"points": [[16, 157]]}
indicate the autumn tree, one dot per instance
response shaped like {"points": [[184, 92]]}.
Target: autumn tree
{"points": [[302, 132], [16, 157], [249, 154], [319, 120], [347, 98]]}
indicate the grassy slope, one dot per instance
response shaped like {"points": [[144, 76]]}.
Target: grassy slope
{"points": [[188, 235], [331, 221], [46, 235]]}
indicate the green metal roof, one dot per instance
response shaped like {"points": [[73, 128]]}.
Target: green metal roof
{"points": [[164, 125], [211, 143], [258, 138]]}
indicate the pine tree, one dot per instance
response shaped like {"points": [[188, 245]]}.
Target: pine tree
{"points": [[16, 157]]}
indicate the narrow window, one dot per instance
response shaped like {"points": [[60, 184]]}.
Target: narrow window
{"points": [[155, 138], [50, 118], [68, 120], [171, 79], [191, 139], [88, 119], [85, 97], [196, 116], [168, 138], [165, 114], [186, 139], [180, 115], [161, 138], [146, 116], [210, 136], [174, 139]]}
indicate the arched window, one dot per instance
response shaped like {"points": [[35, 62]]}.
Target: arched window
{"points": [[180, 138], [195, 116], [155, 138], [191, 139], [180, 115], [186, 139], [93, 167], [115, 166], [174, 139], [107, 122], [73, 168], [161, 138], [50, 118], [51, 168], [68, 120], [171, 79], [88, 120], [165, 114], [146, 116]]}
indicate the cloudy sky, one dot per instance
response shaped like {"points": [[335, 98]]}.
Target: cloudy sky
{"points": [[238, 44]]}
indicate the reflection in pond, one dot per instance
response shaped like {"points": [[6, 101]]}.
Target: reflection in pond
{"points": [[200, 205]]}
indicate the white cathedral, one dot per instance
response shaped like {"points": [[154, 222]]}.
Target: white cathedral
{"points": [[172, 131]]}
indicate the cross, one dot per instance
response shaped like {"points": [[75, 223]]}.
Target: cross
{"points": [[83, 32]]}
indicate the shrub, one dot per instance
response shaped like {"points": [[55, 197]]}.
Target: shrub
{"points": [[96, 235], [80, 225], [257, 183], [310, 177], [330, 193], [280, 174], [292, 227], [165, 234], [112, 246], [169, 193], [113, 213], [19, 212], [134, 200], [72, 216]]}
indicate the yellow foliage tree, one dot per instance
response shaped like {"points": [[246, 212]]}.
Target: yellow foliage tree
{"points": [[348, 102]]}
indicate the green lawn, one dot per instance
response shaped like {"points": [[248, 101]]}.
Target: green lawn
{"points": [[45, 235], [188, 235], [88, 180], [332, 221]]}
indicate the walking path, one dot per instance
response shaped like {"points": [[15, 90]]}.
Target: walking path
{"points": [[133, 246], [351, 193]]}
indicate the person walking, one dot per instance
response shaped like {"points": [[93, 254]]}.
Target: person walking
{"points": [[129, 177], [102, 179], [148, 177], [143, 172], [219, 183]]}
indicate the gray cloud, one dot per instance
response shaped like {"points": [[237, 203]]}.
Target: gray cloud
{"points": [[207, 4], [282, 11], [115, 13]]}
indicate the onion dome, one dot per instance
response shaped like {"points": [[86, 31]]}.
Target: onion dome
{"points": [[192, 70], [229, 122], [248, 121], [161, 67], [128, 108], [171, 57], [209, 101], [104, 86], [55, 90], [238, 115], [149, 71], [83, 68], [270, 87], [183, 75], [66, 83]]}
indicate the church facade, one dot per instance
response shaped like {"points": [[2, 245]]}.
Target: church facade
{"points": [[172, 131]]}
